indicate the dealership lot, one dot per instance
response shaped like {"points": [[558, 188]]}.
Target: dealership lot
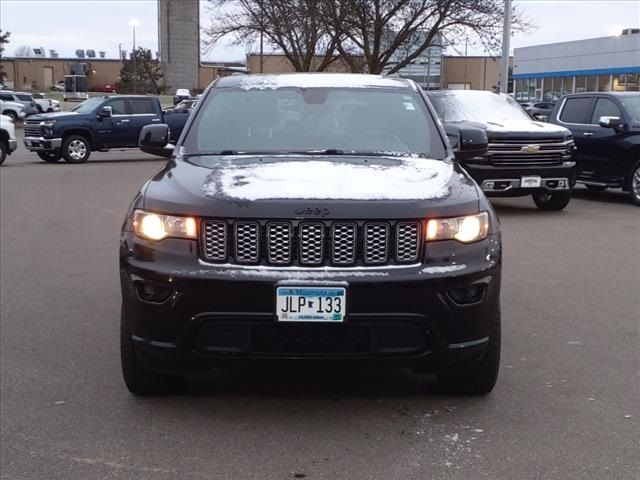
{"points": [[565, 405]]}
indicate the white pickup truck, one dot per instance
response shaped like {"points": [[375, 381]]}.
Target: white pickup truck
{"points": [[8, 142]]}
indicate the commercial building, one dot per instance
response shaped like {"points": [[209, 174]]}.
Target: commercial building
{"points": [[546, 72], [470, 73]]}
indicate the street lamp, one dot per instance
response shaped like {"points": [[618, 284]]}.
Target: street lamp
{"points": [[134, 24]]}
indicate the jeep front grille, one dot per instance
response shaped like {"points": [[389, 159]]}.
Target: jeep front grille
{"points": [[311, 243]]}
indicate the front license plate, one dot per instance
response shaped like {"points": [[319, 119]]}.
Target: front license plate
{"points": [[530, 182], [311, 304]]}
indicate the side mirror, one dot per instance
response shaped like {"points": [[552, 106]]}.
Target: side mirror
{"points": [[154, 139], [472, 143], [105, 112], [540, 117], [610, 122]]}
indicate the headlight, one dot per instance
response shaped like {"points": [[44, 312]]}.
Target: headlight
{"points": [[467, 229], [48, 123], [155, 226]]}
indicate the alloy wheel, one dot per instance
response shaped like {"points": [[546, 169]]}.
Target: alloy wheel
{"points": [[77, 149]]}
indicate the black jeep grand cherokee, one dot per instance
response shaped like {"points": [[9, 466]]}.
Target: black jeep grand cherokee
{"points": [[311, 217]]}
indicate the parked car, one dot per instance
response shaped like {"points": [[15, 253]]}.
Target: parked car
{"points": [[108, 88], [26, 99], [58, 87], [13, 110], [540, 110], [353, 231], [525, 157], [181, 94], [99, 123], [45, 105], [8, 142], [606, 127]]}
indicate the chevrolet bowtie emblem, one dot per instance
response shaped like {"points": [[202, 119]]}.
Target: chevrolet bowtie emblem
{"points": [[530, 148]]}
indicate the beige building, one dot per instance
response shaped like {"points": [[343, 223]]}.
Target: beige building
{"points": [[477, 73]]}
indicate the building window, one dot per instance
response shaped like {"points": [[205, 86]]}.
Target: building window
{"points": [[547, 92], [581, 84], [626, 82], [568, 85], [592, 83], [604, 83]]}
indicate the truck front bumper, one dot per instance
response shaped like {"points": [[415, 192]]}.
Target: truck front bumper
{"points": [[39, 144], [13, 144]]}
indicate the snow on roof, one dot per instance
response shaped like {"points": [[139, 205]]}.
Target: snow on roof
{"points": [[310, 80], [400, 179]]}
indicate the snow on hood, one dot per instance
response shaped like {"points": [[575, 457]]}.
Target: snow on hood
{"points": [[311, 80], [525, 126], [400, 179]]}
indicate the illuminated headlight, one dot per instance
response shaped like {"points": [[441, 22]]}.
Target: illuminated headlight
{"points": [[155, 226], [471, 228]]}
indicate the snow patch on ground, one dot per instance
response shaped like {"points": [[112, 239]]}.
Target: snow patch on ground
{"points": [[405, 179]]}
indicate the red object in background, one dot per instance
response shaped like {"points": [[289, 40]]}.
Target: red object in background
{"points": [[108, 88]]}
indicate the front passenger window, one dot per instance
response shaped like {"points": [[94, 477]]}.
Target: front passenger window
{"points": [[605, 108], [118, 107]]}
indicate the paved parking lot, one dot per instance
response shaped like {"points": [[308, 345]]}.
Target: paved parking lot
{"points": [[565, 407]]}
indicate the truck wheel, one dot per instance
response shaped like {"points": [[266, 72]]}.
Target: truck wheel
{"points": [[484, 378], [138, 379], [551, 201], [76, 149], [4, 148], [634, 184], [50, 157], [12, 115]]}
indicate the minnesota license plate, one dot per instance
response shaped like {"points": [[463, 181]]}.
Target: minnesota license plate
{"points": [[530, 182], [311, 304]]}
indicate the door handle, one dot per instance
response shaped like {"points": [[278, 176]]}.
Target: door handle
{"points": [[587, 134], [155, 120]]}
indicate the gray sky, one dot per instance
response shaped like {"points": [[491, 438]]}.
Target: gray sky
{"points": [[67, 25]]}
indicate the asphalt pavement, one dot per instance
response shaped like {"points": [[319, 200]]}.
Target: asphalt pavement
{"points": [[566, 405]]}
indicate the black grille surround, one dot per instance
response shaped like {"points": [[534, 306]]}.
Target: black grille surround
{"points": [[311, 243]]}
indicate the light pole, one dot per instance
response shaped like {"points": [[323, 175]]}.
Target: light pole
{"points": [[506, 38], [134, 24]]}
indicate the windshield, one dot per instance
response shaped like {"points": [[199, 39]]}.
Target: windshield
{"points": [[484, 107], [632, 106], [87, 106], [315, 120], [24, 97], [39, 96]]}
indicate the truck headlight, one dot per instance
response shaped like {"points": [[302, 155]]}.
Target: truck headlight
{"points": [[468, 229], [155, 226], [48, 123]]}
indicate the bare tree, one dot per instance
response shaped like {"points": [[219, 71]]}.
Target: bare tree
{"points": [[399, 31], [23, 51], [295, 27], [4, 39]]}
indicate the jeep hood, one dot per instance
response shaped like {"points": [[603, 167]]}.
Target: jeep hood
{"points": [[292, 186]]}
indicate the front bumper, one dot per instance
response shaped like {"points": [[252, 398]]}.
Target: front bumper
{"points": [[13, 145], [502, 181], [211, 314], [38, 144]]}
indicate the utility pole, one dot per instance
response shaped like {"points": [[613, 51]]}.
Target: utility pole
{"points": [[134, 24], [506, 39]]}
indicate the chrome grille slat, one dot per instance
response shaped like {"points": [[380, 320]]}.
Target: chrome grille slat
{"points": [[311, 243], [215, 244], [344, 243], [279, 243], [32, 130], [247, 241], [376, 243], [407, 241]]}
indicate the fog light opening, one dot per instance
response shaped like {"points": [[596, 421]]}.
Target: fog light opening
{"points": [[152, 293], [467, 295]]}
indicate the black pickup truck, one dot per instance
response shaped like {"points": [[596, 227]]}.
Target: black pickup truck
{"points": [[525, 157], [97, 124]]}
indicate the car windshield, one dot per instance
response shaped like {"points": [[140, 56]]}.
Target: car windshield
{"points": [[632, 106], [24, 97], [39, 96], [319, 120], [87, 106], [485, 107]]}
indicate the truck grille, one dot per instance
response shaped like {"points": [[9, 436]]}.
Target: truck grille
{"points": [[32, 129], [309, 243], [516, 152]]}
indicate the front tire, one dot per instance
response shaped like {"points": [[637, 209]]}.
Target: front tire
{"points": [[484, 378], [138, 379], [634, 184], [551, 201], [4, 148], [50, 157], [76, 149]]}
